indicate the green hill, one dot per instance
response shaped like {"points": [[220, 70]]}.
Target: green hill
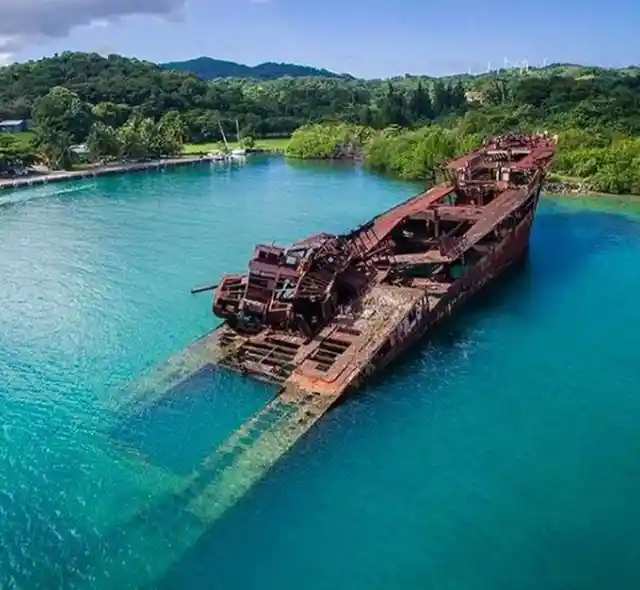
{"points": [[560, 95], [209, 68]]}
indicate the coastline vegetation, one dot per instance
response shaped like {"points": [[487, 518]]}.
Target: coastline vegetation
{"points": [[417, 154], [612, 166], [120, 108], [329, 141], [599, 138]]}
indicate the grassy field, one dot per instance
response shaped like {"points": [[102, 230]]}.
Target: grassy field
{"points": [[21, 139], [275, 144]]}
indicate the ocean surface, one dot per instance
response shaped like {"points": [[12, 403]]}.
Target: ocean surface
{"points": [[500, 454]]}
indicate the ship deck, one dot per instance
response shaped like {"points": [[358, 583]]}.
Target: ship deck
{"points": [[385, 223], [330, 361]]}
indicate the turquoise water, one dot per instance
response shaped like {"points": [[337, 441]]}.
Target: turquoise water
{"points": [[500, 454]]}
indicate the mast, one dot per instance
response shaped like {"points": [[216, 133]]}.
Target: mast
{"points": [[224, 137]]}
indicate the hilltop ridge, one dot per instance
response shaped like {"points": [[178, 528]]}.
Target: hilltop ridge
{"points": [[210, 68]]}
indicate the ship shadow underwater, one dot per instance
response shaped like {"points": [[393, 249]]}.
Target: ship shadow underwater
{"points": [[556, 252], [156, 431]]}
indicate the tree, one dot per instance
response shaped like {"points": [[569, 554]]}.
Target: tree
{"points": [[419, 106], [111, 114], [392, 108], [202, 126], [152, 110], [149, 138], [440, 98], [457, 96], [54, 148], [416, 155], [329, 141], [62, 112], [132, 143], [171, 131], [118, 87], [14, 154], [103, 141]]}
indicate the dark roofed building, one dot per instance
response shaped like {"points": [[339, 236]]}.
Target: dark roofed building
{"points": [[14, 125]]}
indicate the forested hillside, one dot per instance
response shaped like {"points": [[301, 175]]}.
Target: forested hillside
{"points": [[263, 108], [209, 69], [606, 98], [595, 110]]}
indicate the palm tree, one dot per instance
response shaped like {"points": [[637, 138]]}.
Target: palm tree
{"points": [[54, 147]]}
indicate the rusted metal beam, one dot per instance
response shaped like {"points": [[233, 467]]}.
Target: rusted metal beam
{"points": [[204, 288]]}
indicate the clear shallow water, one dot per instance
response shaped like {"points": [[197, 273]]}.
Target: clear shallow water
{"points": [[501, 454]]}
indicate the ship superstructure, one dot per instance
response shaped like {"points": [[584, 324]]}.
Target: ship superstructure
{"points": [[329, 309]]}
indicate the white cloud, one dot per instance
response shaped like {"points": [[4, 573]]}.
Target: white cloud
{"points": [[32, 21]]}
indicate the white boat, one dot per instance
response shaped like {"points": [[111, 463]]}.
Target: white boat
{"points": [[227, 157], [217, 157], [238, 152], [237, 155]]}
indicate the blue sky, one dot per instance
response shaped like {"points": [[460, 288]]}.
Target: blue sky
{"points": [[367, 38]]}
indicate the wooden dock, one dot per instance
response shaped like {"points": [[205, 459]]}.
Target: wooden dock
{"points": [[64, 176]]}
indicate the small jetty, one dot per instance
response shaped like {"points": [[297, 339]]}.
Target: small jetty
{"points": [[93, 172]]}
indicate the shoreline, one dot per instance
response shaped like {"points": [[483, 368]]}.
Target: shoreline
{"points": [[591, 195], [552, 188], [95, 171], [569, 190]]}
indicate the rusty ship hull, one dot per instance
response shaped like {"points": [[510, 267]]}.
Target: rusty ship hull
{"points": [[423, 306], [509, 253], [322, 316]]}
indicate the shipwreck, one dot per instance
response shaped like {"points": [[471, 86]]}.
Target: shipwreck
{"points": [[321, 316]]}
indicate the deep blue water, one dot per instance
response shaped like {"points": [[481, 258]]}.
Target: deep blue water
{"points": [[502, 453]]}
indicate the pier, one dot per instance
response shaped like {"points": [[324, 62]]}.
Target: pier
{"points": [[68, 175]]}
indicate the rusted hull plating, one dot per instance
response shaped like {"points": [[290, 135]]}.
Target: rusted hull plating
{"points": [[420, 312], [508, 253]]}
